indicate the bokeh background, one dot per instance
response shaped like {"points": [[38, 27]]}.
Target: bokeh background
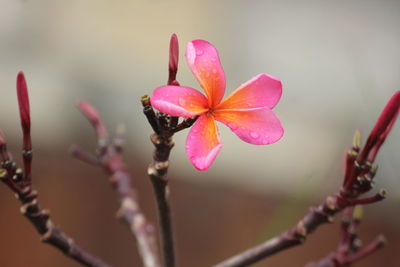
{"points": [[339, 62]]}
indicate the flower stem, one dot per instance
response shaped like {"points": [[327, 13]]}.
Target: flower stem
{"points": [[157, 172]]}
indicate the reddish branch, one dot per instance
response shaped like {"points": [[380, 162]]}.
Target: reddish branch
{"points": [[19, 181], [358, 179], [350, 247], [109, 157]]}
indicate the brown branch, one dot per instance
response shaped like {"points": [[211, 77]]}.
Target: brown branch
{"points": [[109, 156], [164, 127], [52, 234], [157, 172], [350, 248], [19, 181], [358, 179]]}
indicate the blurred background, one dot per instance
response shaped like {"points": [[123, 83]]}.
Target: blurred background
{"points": [[339, 62]]}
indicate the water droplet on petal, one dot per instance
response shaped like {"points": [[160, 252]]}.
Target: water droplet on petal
{"points": [[181, 101], [214, 71], [265, 142], [199, 52], [254, 135]]}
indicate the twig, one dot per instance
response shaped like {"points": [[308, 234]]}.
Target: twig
{"points": [[357, 181], [157, 172], [109, 156], [19, 181], [350, 248]]}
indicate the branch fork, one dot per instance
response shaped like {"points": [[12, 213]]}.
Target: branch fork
{"points": [[19, 181], [109, 156]]}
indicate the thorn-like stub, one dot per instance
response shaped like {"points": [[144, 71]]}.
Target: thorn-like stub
{"points": [[151, 170], [382, 193], [352, 153], [27, 154], [357, 165], [46, 236], [155, 139], [358, 212], [357, 139], [301, 229], [145, 100], [357, 243], [330, 203], [161, 166], [23, 209], [368, 178], [374, 169], [330, 219], [382, 240], [3, 173], [6, 164], [19, 171]]}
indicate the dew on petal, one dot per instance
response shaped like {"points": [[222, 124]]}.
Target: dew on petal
{"points": [[254, 135], [182, 101], [214, 71], [265, 141], [199, 52]]}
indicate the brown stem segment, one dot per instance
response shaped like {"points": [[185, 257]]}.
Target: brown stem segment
{"points": [[39, 218], [52, 235], [349, 249], [109, 156], [157, 172], [293, 237]]}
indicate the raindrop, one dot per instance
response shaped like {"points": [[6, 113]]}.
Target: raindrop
{"points": [[199, 52], [182, 101], [265, 142], [214, 71], [254, 135]]}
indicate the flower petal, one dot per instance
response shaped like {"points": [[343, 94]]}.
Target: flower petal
{"points": [[203, 60], [202, 143], [262, 90], [255, 126], [179, 101]]}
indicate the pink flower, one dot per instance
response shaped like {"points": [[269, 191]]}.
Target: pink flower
{"points": [[246, 111]]}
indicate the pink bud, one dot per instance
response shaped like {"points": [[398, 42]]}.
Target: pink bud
{"points": [[92, 115], [2, 138], [173, 58], [24, 111], [23, 102], [381, 130]]}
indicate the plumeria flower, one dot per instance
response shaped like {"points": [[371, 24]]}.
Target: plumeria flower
{"points": [[246, 111]]}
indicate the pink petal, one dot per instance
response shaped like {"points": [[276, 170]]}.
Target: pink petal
{"points": [[262, 90], [203, 60], [202, 143], [255, 126], [179, 101]]}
